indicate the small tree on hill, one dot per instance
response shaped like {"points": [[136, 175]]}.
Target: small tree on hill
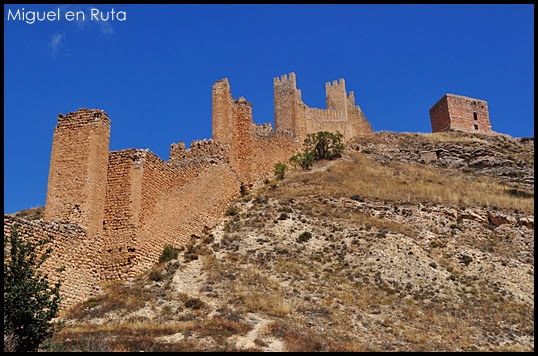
{"points": [[303, 159], [324, 144], [30, 303], [320, 145]]}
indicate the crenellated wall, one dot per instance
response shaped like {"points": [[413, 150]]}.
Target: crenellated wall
{"points": [[111, 213], [251, 149], [341, 115]]}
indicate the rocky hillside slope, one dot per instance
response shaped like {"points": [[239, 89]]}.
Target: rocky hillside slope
{"points": [[409, 242]]}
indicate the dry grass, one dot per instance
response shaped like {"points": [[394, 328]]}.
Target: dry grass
{"points": [[117, 296], [32, 213], [271, 303], [220, 328], [136, 335], [399, 182], [299, 338]]}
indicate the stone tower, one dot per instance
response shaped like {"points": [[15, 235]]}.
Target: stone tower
{"points": [[461, 113], [78, 169], [336, 96]]}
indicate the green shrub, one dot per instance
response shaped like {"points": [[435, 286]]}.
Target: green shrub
{"points": [[280, 170], [30, 303], [317, 146], [169, 253], [305, 236], [303, 159], [232, 210]]}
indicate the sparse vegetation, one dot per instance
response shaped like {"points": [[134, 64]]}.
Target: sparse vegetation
{"points": [[305, 160], [30, 302], [305, 236], [232, 210], [280, 170], [169, 253], [374, 254]]}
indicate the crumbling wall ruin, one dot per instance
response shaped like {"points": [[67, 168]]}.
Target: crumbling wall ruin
{"points": [[251, 149]]}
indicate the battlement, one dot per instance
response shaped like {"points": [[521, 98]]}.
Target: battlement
{"points": [[336, 83], [342, 115], [324, 114], [82, 117], [198, 149], [265, 129], [286, 79]]}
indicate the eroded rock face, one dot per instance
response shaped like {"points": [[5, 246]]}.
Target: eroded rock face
{"points": [[508, 159]]}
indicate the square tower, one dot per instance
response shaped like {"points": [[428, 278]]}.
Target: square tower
{"points": [[461, 113]]}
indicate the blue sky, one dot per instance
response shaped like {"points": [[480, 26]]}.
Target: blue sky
{"points": [[153, 72]]}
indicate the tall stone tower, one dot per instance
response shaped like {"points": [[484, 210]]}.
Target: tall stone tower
{"points": [[78, 169], [456, 112], [336, 96], [287, 104]]}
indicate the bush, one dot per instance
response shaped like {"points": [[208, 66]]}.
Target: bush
{"points": [[324, 144], [169, 253], [30, 303], [305, 236], [303, 159], [155, 275], [232, 210], [280, 170], [194, 303], [317, 146]]}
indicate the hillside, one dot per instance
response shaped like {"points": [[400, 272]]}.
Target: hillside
{"points": [[408, 242]]}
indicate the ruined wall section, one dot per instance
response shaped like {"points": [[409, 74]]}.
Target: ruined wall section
{"points": [[71, 249], [341, 115], [456, 112], [252, 149], [357, 119], [78, 169], [198, 149]]}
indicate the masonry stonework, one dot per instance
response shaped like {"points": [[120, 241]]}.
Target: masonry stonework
{"points": [[341, 115], [78, 169], [110, 214], [73, 259], [460, 113]]}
